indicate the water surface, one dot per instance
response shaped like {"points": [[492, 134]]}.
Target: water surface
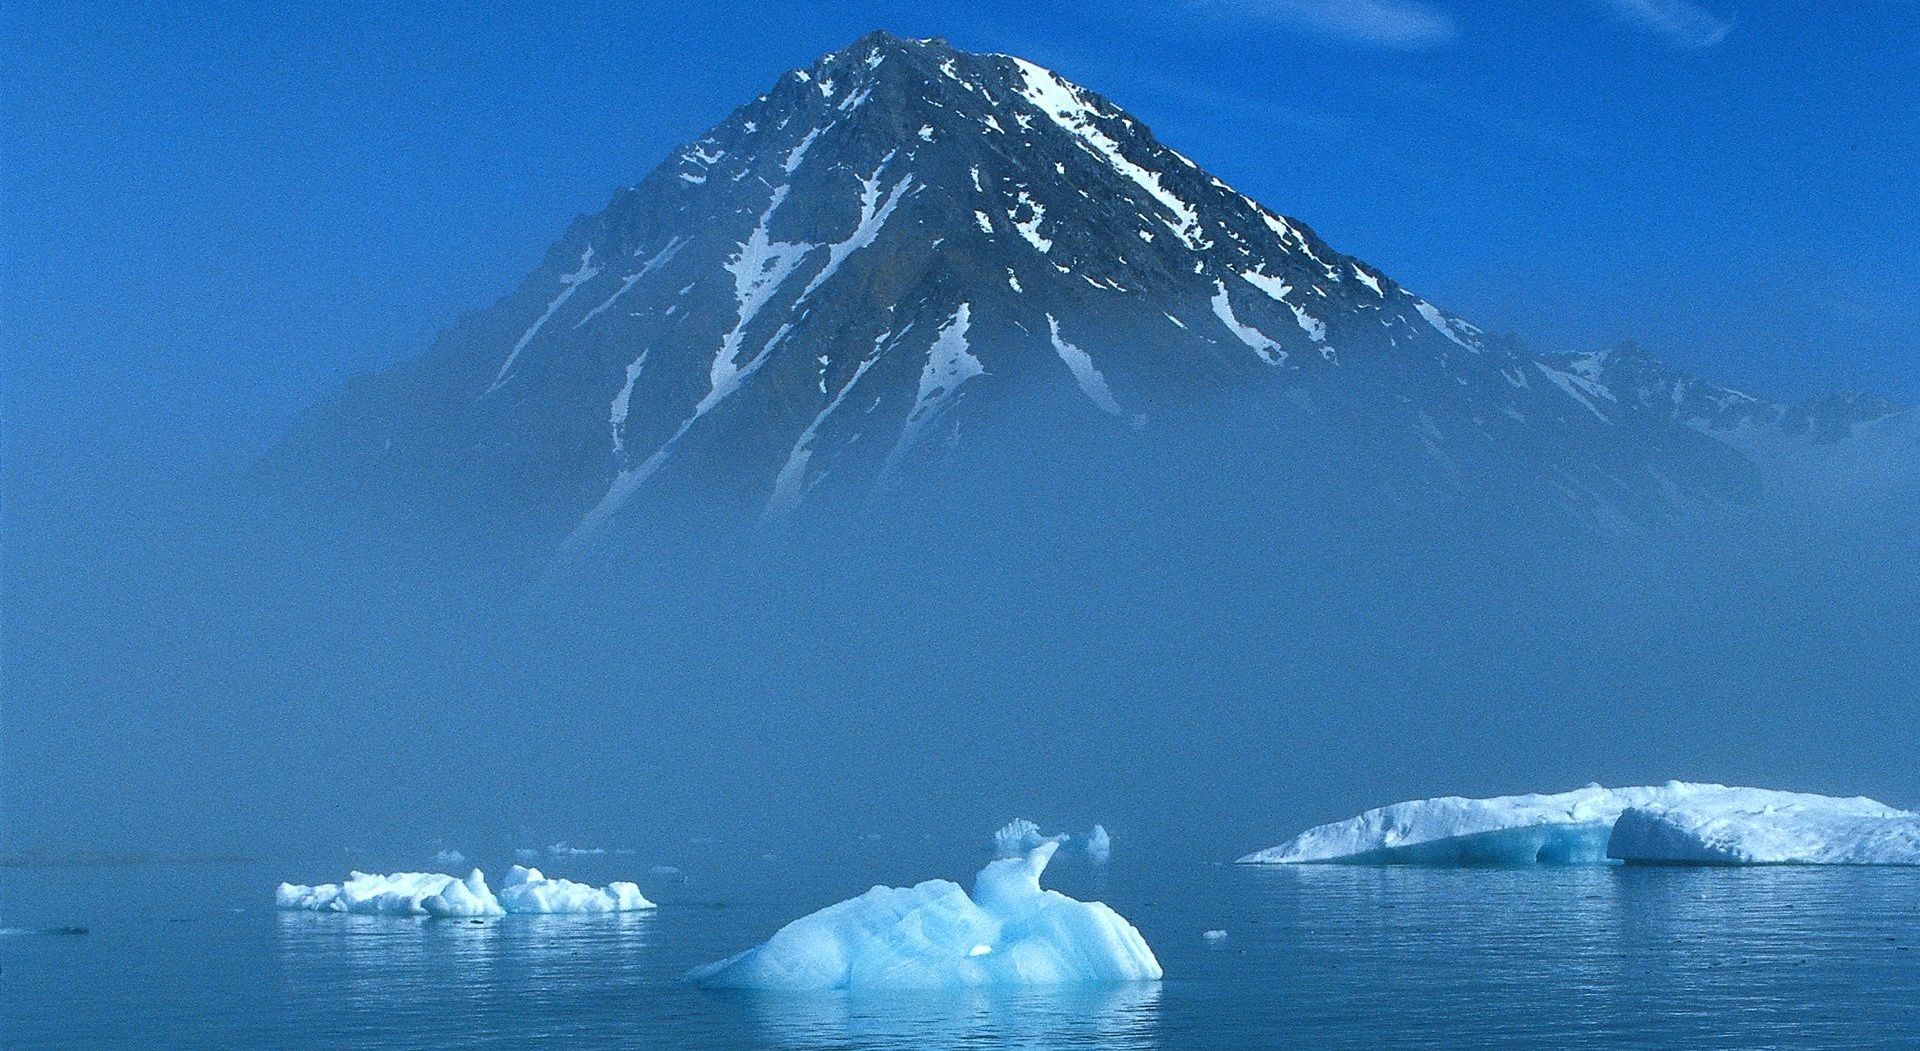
{"points": [[192, 955]]}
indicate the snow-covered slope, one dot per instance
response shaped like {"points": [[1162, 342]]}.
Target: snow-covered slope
{"points": [[1677, 822], [859, 272], [934, 936]]}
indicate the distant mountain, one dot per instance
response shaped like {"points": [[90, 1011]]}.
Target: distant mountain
{"points": [[900, 248], [1845, 446]]}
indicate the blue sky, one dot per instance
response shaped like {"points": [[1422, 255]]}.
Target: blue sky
{"points": [[237, 207]]}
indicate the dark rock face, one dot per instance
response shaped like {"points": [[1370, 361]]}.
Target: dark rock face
{"points": [[904, 246]]}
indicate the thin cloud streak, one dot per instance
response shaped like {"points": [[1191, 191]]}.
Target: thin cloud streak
{"points": [[1405, 25], [1683, 24]]}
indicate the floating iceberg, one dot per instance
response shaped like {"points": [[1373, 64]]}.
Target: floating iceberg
{"points": [[402, 893], [527, 891], [1799, 830], [1099, 845], [1574, 828], [463, 897], [438, 894], [933, 936]]}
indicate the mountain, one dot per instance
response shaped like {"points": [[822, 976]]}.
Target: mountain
{"points": [[855, 279], [1843, 449]]}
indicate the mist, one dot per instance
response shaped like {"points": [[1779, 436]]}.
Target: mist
{"points": [[1203, 660]]}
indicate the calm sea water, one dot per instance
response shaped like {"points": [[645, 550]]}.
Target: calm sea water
{"points": [[191, 955]]}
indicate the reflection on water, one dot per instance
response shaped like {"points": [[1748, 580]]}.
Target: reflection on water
{"points": [[1111, 1016], [396, 972], [1315, 956], [1636, 956]]}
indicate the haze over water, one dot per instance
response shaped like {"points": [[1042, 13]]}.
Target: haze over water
{"points": [[1432, 560]]}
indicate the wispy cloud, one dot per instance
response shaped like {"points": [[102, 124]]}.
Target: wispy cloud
{"points": [[1682, 23], [1401, 24]]}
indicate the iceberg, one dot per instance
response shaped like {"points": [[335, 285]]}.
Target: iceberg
{"points": [[1579, 828], [1099, 845], [1800, 830], [463, 897], [526, 891], [402, 893], [935, 936]]}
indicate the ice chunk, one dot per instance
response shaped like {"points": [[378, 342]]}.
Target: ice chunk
{"points": [[400, 893], [1782, 829], [1019, 837], [1564, 828], [527, 891], [1099, 845], [438, 894], [467, 897], [934, 936], [1214, 937]]}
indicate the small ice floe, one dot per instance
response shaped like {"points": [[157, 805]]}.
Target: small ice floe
{"points": [[525, 891], [562, 850], [1214, 937], [935, 936], [1099, 845]]}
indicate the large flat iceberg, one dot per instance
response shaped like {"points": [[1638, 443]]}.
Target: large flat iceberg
{"points": [[934, 936], [1579, 827], [1803, 830], [526, 891]]}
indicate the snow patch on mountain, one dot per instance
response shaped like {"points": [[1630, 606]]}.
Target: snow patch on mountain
{"points": [[1063, 104], [873, 215], [790, 485], [1269, 351], [949, 364], [569, 284], [1091, 382]]}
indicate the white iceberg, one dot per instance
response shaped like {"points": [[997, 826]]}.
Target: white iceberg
{"points": [[438, 894], [401, 893], [527, 891], [464, 897], [1798, 830], [934, 936], [1567, 828], [1099, 845]]}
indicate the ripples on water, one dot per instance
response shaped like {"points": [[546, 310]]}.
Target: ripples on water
{"points": [[1320, 955]]}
